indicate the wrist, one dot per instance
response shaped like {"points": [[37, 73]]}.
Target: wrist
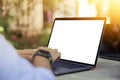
{"points": [[40, 61], [43, 54]]}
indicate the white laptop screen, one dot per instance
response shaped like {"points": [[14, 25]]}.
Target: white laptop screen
{"points": [[77, 40]]}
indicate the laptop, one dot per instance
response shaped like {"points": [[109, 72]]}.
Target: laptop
{"points": [[78, 41], [110, 37]]}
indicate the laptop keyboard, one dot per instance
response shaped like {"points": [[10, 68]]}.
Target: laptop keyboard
{"points": [[69, 65]]}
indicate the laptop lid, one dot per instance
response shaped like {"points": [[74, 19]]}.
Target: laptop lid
{"points": [[77, 38]]}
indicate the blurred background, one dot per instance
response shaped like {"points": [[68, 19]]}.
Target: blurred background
{"points": [[27, 23]]}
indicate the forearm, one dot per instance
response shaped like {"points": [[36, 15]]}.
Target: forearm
{"points": [[25, 51], [39, 61]]}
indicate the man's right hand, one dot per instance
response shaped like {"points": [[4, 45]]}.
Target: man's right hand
{"points": [[54, 52], [28, 53]]}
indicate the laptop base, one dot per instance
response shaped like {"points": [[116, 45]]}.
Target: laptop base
{"points": [[64, 67]]}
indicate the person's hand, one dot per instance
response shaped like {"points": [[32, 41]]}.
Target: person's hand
{"points": [[28, 53], [40, 61], [54, 52]]}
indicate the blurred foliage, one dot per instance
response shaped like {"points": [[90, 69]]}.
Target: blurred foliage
{"points": [[61, 6], [52, 3], [1, 29], [14, 11], [20, 42], [1, 20], [4, 22], [10, 11]]}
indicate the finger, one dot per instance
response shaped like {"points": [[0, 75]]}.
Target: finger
{"points": [[44, 48], [55, 50], [59, 55], [56, 56]]}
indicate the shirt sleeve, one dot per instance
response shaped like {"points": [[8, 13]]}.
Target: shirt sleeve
{"points": [[14, 67]]}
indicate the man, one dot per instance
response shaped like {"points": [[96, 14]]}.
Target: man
{"points": [[15, 67]]}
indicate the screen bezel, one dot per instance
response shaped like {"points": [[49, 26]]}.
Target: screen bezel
{"points": [[82, 18]]}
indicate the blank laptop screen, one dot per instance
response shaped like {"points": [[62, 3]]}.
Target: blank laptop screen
{"points": [[77, 40]]}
